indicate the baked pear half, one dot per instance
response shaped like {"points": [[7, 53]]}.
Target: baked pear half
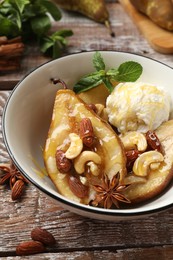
{"points": [[80, 146], [155, 171]]}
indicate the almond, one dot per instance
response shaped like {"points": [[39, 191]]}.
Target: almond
{"points": [[30, 247], [86, 132], [77, 187], [63, 164], [17, 190], [43, 236]]}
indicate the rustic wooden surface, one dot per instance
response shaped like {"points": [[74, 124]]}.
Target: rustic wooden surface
{"points": [[78, 237]]}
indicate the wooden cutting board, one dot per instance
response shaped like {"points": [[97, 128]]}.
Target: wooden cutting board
{"points": [[159, 39]]}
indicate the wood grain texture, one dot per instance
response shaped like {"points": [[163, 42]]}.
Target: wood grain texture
{"points": [[160, 39], [3, 153], [89, 35], [161, 253], [78, 237]]}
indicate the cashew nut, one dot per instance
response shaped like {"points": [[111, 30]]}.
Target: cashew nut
{"points": [[132, 139], [94, 169], [83, 158], [75, 147], [154, 166], [100, 108], [142, 164], [101, 111]]}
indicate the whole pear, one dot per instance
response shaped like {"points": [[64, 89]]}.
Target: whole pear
{"points": [[94, 9]]}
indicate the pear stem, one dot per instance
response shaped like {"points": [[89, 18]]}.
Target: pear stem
{"points": [[56, 81], [108, 25]]}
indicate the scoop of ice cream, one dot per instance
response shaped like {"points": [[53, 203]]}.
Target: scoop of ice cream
{"points": [[137, 107]]}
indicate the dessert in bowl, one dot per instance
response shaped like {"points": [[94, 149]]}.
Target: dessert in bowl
{"points": [[45, 130]]}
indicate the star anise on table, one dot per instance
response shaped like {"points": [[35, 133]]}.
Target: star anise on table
{"points": [[109, 193], [10, 174]]}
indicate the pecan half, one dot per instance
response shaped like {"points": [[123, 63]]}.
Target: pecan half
{"points": [[131, 156], [86, 132], [77, 187], [63, 164], [153, 141]]}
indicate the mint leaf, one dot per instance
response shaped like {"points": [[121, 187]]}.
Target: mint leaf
{"points": [[108, 84], [46, 43], [88, 82], [5, 8], [31, 20], [8, 27], [112, 73], [98, 61], [79, 88], [52, 9], [62, 33], [129, 71], [40, 24], [56, 50], [17, 18], [54, 43], [21, 4]]}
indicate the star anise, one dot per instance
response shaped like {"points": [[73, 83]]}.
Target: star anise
{"points": [[10, 174], [109, 192]]}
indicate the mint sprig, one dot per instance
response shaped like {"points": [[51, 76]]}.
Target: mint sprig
{"points": [[98, 62], [128, 71], [55, 42], [31, 20]]}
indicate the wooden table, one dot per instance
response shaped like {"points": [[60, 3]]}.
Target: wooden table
{"points": [[78, 237]]}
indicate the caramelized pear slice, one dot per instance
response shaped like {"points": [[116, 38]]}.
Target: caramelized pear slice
{"points": [[157, 179], [97, 95], [68, 111]]}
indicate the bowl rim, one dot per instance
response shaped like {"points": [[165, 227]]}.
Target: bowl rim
{"points": [[70, 203]]}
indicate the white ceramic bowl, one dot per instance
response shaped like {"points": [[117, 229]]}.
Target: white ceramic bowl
{"points": [[27, 115]]}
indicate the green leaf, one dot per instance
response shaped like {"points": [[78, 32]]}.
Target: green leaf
{"points": [[32, 10], [52, 9], [40, 24], [88, 82], [62, 33], [15, 17], [56, 50], [54, 43], [46, 43], [112, 73], [62, 40], [129, 71], [51, 47], [108, 84], [79, 88], [7, 27], [5, 8], [98, 61], [21, 4], [11, 12], [31, 20]]}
